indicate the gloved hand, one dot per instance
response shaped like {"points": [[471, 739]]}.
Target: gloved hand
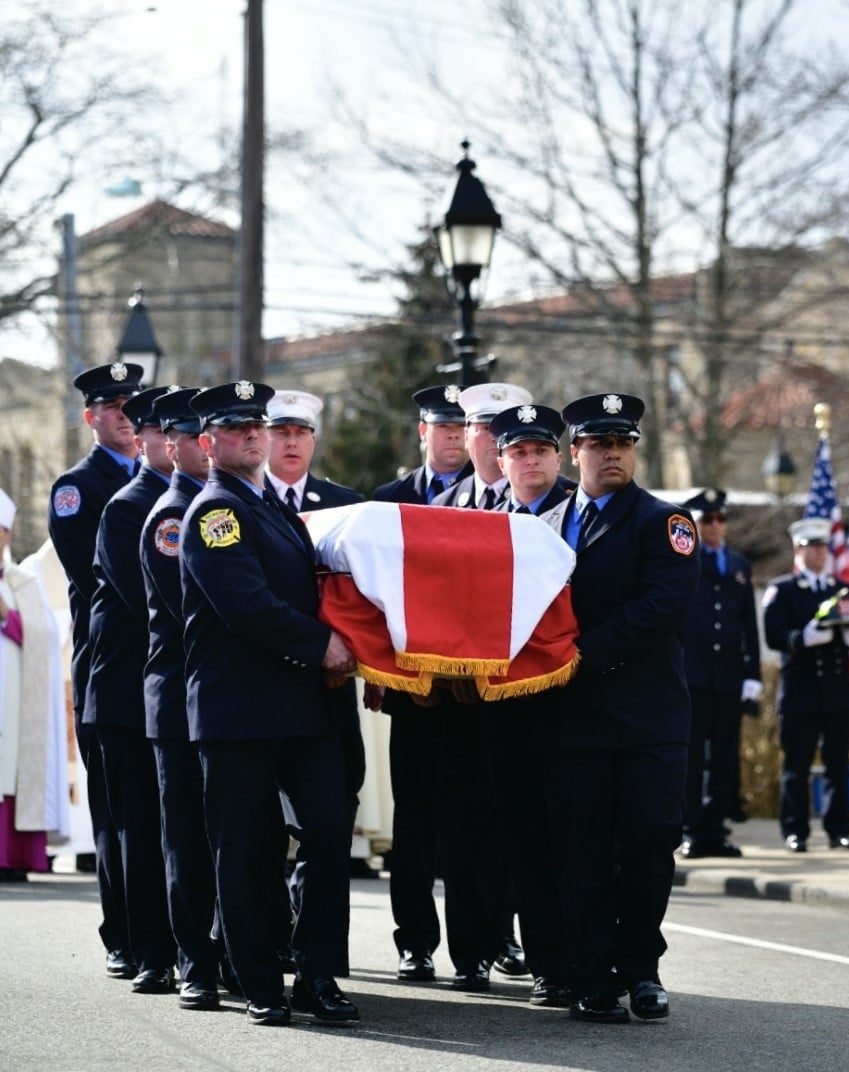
{"points": [[812, 635], [752, 690]]}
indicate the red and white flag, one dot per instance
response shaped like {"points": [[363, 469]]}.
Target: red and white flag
{"points": [[419, 592]]}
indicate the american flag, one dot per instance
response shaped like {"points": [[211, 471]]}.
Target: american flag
{"points": [[823, 502]]}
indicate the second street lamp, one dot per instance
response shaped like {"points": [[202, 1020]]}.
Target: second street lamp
{"points": [[465, 238], [138, 343]]}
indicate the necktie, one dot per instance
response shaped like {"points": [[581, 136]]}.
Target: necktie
{"points": [[290, 499], [436, 488], [270, 497], [488, 498], [587, 518], [136, 466], [518, 509]]}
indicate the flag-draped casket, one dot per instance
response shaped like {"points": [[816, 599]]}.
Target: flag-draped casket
{"points": [[423, 592]]}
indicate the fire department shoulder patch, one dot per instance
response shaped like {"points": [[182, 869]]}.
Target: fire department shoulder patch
{"points": [[219, 528], [67, 500], [682, 534], [166, 538]]}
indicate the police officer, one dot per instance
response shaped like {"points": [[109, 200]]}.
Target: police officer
{"points": [[722, 664], [255, 654], [624, 719], [115, 699], [813, 698], [77, 500], [188, 864], [415, 738]]}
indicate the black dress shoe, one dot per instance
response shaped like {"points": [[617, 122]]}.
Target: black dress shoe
{"points": [[548, 993], [795, 843], [416, 967], [472, 978], [324, 1000], [13, 874], [269, 1015], [154, 981], [120, 964], [198, 996], [697, 850], [598, 1009], [511, 958], [649, 1000], [838, 843]]}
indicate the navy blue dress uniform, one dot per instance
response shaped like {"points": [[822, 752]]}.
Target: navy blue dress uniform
{"points": [[415, 744], [189, 875], [302, 408], [721, 652], [521, 741], [813, 695], [115, 707], [256, 706], [623, 724], [77, 499]]}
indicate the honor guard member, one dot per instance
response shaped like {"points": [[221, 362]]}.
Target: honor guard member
{"points": [[813, 692], [624, 722], [115, 699], [723, 669], [189, 876], [520, 731], [293, 419], [255, 654], [528, 439], [77, 500], [415, 735], [484, 489]]}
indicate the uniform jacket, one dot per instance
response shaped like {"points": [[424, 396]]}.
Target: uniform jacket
{"points": [[164, 672], [812, 679], [721, 646], [631, 593], [558, 494], [323, 494], [254, 644], [412, 488], [77, 500], [118, 632]]}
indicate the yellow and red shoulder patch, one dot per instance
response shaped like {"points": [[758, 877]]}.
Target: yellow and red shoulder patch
{"points": [[220, 528], [682, 534]]}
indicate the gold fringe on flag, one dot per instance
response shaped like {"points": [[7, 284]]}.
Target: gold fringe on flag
{"points": [[528, 686], [418, 686], [445, 666]]}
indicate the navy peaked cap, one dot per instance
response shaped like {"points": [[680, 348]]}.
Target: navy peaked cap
{"points": [[104, 382], [609, 414], [233, 403]]}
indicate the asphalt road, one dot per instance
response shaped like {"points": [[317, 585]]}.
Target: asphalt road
{"points": [[753, 985]]}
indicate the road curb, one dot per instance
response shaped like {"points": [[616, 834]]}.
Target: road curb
{"points": [[759, 886]]}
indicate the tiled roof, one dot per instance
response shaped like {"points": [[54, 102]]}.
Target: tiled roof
{"points": [[785, 397], [160, 215], [665, 290]]}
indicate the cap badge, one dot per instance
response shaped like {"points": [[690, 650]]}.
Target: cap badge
{"points": [[452, 393], [244, 390], [290, 400], [497, 394], [118, 371], [174, 387], [611, 403], [526, 414], [710, 495]]}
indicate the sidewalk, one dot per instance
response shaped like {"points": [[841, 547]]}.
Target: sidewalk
{"points": [[767, 870]]}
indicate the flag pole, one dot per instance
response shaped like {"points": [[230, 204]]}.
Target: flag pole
{"points": [[822, 419]]}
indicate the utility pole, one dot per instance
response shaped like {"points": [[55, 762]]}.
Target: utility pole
{"points": [[70, 307], [249, 359]]}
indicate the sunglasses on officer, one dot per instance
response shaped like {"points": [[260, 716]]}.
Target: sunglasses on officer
{"points": [[711, 519]]}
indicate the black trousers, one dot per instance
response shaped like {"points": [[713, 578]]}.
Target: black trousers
{"points": [[189, 876], [107, 848], [238, 779], [712, 763], [521, 736], [800, 736], [133, 791], [618, 825]]}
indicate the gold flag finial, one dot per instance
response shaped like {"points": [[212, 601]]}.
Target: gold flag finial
{"points": [[822, 417]]}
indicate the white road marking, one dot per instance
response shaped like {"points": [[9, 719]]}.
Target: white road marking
{"points": [[777, 947]]}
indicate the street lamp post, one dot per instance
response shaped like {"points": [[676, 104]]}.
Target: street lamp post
{"points": [[138, 343], [465, 237], [778, 469]]}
